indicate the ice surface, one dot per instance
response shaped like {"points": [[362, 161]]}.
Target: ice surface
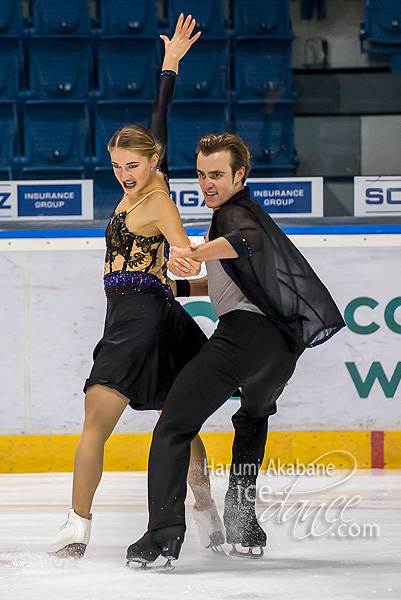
{"points": [[297, 565]]}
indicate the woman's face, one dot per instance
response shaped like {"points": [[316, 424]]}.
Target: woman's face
{"points": [[132, 169]]}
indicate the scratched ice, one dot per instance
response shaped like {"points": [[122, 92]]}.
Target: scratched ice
{"points": [[325, 541]]}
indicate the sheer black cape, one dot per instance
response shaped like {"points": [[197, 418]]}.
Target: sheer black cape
{"points": [[272, 273]]}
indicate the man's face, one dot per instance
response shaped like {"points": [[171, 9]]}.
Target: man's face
{"points": [[216, 178]]}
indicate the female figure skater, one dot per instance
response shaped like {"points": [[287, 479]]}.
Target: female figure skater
{"points": [[148, 336]]}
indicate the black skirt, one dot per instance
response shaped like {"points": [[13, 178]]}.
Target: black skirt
{"points": [[148, 338]]}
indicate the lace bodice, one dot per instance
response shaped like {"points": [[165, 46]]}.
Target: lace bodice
{"points": [[127, 251]]}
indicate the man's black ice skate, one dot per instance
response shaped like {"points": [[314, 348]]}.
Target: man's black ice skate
{"points": [[241, 524], [143, 551], [252, 537], [164, 542]]}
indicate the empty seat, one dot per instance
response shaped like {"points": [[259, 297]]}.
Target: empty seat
{"points": [[111, 116], [209, 15], [262, 17], [382, 25], [10, 17], [128, 17], [9, 139], [268, 131], [188, 122], [52, 17], [203, 72], [263, 69], [60, 68], [107, 193], [128, 68], [56, 136], [10, 68]]}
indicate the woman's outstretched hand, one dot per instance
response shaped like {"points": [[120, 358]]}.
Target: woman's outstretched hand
{"points": [[180, 43]]}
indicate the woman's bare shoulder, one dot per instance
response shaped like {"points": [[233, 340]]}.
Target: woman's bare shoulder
{"points": [[160, 199]]}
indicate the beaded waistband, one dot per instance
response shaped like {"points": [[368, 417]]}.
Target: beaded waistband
{"points": [[119, 283]]}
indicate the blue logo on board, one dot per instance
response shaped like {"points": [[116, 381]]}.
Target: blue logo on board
{"points": [[49, 200], [187, 197], [283, 197]]}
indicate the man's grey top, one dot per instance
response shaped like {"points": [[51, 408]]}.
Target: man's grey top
{"points": [[224, 294]]}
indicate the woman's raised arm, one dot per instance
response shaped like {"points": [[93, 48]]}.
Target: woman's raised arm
{"points": [[174, 50]]}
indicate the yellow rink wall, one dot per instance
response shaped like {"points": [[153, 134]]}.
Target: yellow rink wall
{"points": [[129, 452]]}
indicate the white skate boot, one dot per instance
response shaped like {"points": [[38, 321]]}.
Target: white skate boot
{"points": [[210, 527], [72, 538]]}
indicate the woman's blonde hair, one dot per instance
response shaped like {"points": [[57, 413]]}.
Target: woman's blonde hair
{"points": [[240, 157], [136, 138]]}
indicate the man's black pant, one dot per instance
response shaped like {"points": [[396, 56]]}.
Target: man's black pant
{"points": [[246, 351]]}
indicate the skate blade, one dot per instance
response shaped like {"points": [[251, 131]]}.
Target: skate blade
{"points": [[250, 555], [144, 566], [217, 549], [70, 551]]}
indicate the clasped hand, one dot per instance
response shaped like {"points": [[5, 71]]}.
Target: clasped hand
{"points": [[180, 264]]}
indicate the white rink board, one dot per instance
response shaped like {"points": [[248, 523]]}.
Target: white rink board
{"points": [[53, 315]]}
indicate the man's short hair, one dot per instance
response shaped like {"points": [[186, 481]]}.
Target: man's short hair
{"points": [[240, 156]]}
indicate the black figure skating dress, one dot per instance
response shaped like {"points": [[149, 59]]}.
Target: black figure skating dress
{"points": [[148, 337]]}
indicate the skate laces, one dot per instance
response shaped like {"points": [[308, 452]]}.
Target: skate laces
{"points": [[65, 525]]}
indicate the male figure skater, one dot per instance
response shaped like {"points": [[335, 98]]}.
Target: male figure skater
{"points": [[271, 306]]}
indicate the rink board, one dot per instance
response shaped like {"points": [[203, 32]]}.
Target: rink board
{"points": [[129, 452], [53, 315]]}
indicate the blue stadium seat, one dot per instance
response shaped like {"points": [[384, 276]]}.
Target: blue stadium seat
{"points": [[128, 17], [53, 17], [60, 68], [111, 116], [9, 139], [209, 15], [263, 69], [10, 17], [107, 193], [56, 136], [382, 26], [188, 122], [127, 68], [268, 131], [10, 68], [203, 72], [262, 17]]}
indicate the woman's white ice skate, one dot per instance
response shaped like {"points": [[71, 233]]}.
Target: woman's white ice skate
{"points": [[210, 528], [72, 538]]}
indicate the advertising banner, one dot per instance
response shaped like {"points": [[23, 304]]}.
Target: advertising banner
{"points": [[377, 196], [290, 196], [189, 199], [73, 199], [46, 200]]}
